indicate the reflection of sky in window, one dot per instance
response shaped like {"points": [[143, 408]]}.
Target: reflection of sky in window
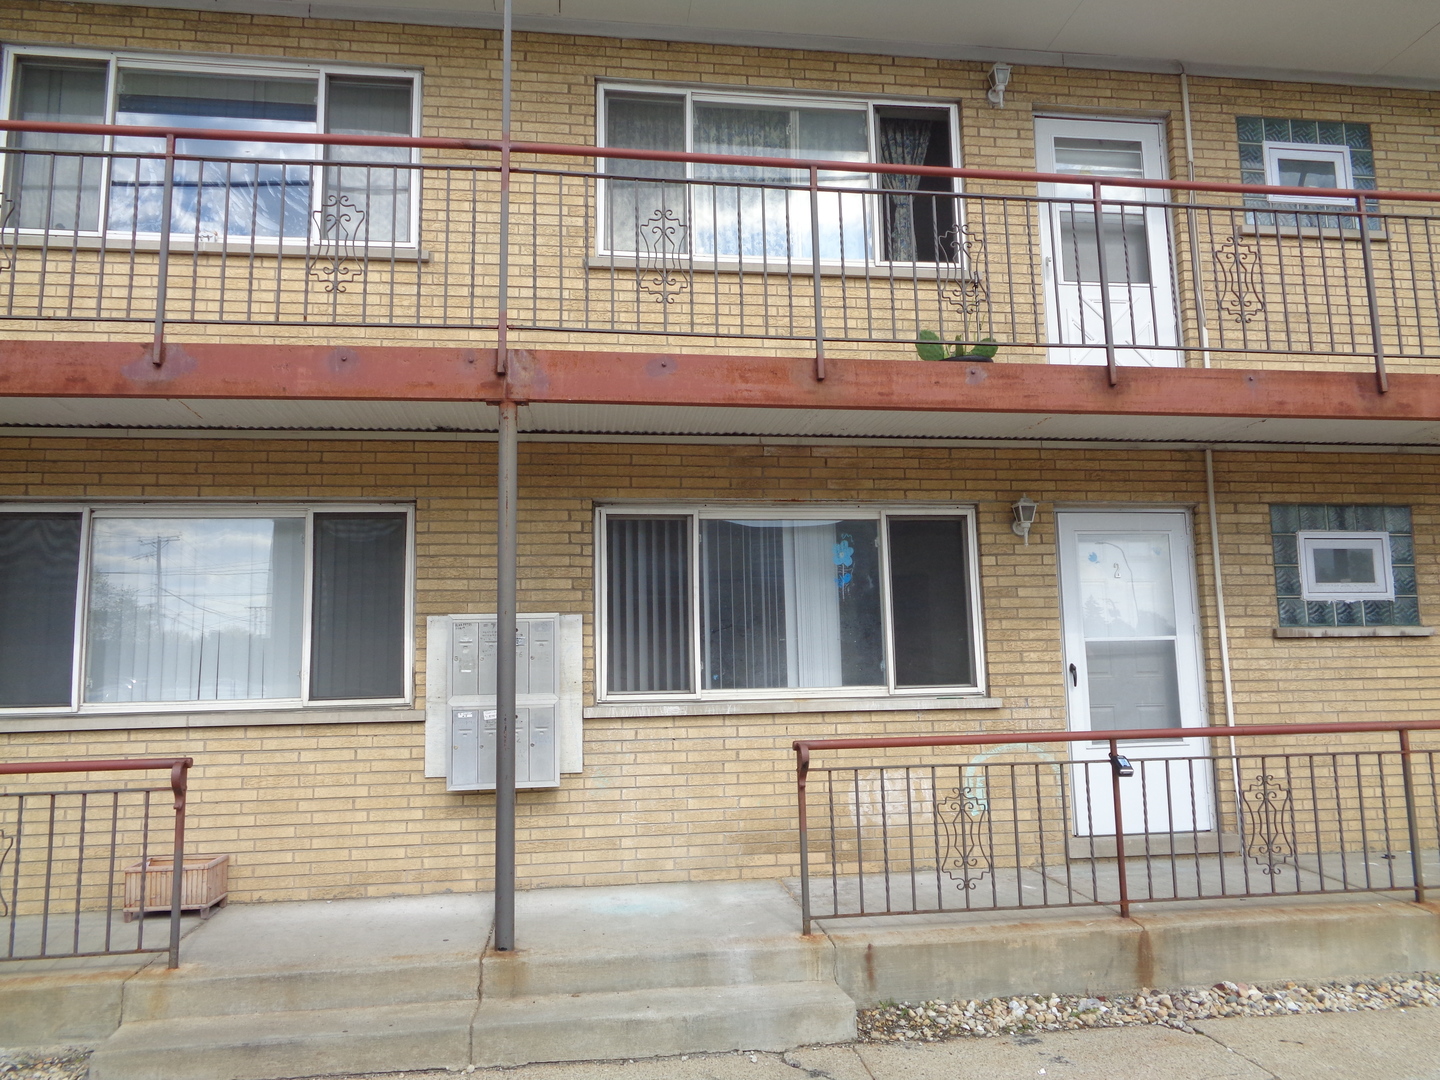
{"points": [[216, 199], [212, 573]]}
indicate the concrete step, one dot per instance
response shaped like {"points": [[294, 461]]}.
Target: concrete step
{"points": [[659, 1022], [205, 990], [314, 1042], [643, 937]]}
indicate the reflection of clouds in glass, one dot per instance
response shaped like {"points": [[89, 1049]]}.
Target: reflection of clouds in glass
{"points": [[214, 198], [1125, 586]]}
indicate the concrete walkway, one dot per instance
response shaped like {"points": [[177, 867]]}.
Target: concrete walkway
{"points": [[351, 986], [1398, 1044]]}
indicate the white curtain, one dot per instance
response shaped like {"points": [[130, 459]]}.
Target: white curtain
{"points": [[194, 609]]}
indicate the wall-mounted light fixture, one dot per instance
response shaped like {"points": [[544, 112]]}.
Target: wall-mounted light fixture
{"points": [[999, 80], [1024, 508]]}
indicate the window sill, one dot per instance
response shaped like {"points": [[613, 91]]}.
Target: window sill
{"points": [[799, 267], [144, 721], [1353, 631], [235, 247], [790, 705]]}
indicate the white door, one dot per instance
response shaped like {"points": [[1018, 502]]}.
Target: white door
{"points": [[1132, 660], [1140, 294]]}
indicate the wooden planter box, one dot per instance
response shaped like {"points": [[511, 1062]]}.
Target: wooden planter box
{"points": [[204, 884]]}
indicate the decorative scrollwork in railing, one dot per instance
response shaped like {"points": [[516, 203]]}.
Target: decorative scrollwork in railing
{"points": [[661, 271], [966, 857], [959, 279], [1270, 823], [339, 258], [8, 208], [1238, 265], [6, 843]]}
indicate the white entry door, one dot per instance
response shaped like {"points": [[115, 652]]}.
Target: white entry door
{"points": [[1139, 294], [1132, 660]]}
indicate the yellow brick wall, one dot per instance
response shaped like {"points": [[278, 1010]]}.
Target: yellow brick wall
{"points": [[328, 810], [555, 91]]}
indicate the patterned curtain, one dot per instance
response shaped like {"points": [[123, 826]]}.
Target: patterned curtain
{"points": [[902, 142]]}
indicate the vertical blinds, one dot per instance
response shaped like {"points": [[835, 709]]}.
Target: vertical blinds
{"points": [[648, 604]]}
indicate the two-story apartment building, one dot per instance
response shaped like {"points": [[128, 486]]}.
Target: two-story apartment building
{"points": [[1181, 473]]}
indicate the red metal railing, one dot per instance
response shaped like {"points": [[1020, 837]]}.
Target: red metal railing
{"points": [[776, 250], [1113, 823], [66, 848]]}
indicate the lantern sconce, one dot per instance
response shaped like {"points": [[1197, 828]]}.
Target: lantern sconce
{"points": [[999, 80], [1024, 509]]}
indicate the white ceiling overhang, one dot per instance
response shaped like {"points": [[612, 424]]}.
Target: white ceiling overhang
{"points": [[1382, 42], [112, 416]]}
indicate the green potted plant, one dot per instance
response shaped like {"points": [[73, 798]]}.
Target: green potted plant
{"points": [[931, 347]]}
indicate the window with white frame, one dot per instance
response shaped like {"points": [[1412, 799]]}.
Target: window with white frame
{"points": [[114, 607], [86, 184], [759, 213], [762, 602], [1345, 566]]}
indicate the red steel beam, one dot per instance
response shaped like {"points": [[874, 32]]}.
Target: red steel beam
{"points": [[97, 369]]}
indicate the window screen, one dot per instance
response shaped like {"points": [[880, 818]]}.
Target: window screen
{"points": [[39, 568], [358, 623], [57, 191], [930, 598]]}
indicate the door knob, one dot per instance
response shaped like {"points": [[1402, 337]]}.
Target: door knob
{"points": [[1074, 676]]}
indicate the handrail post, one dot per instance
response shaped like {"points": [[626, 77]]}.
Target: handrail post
{"points": [[1372, 299], [802, 772], [1411, 822], [179, 784], [1119, 830], [162, 264], [815, 272], [1106, 318]]}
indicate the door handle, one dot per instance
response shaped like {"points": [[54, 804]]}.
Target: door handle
{"points": [[1074, 676]]}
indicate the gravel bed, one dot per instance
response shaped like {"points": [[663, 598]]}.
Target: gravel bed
{"points": [[931, 1021], [49, 1063]]}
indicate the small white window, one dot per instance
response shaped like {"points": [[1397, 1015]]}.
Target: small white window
{"points": [[1309, 166], [1345, 566]]}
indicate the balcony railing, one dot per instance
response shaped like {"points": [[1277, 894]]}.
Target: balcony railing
{"points": [[1018, 821], [78, 862], [629, 247]]}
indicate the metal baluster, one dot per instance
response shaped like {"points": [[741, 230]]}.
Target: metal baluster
{"points": [[1107, 320], [815, 272], [1115, 770], [1412, 823], [1372, 300], [162, 263]]}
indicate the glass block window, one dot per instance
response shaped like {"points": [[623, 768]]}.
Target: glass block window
{"points": [[1257, 132], [1393, 521]]}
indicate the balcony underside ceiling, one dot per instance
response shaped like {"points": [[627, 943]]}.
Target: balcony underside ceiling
{"points": [[463, 418], [1387, 40], [219, 387]]}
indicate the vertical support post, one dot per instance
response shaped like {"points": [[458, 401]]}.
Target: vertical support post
{"points": [[1119, 830], [505, 682], [178, 784], [162, 263], [1411, 821], [815, 272], [802, 773], [505, 528], [1106, 318], [1372, 299]]}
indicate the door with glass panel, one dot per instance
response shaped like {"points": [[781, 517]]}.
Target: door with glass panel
{"points": [[1132, 661], [1138, 295]]}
